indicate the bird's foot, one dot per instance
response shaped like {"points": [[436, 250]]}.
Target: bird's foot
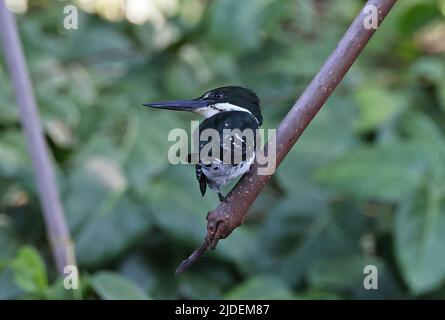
{"points": [[222, 198]]}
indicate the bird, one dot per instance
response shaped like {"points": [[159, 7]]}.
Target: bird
{"points": [[228, 107]]}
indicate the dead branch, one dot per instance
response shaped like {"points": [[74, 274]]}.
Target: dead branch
{"points": [[57, 230], [229, 215]]}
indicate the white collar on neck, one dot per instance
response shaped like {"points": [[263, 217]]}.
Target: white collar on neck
{"points": [[213, 109]]}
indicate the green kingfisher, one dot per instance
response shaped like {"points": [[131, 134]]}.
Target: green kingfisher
{"points": [[225, 109]]}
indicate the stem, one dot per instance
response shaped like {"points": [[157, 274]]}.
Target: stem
{"points": [[57, 230], [229, 215]]}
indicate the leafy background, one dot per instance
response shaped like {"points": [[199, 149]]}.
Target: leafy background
{"points": [[364, 185]]}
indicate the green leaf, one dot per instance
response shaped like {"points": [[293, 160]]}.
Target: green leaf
{"points": [[243, 31], [313, 54], [345, 272], [112, 286], [385, 172], [377, 106], [57, 291], [92, 42], [14, 157], [418, 15], [8, 111], [429, 68], [441, 94], [325, 139], [8, 243], [294, 241], [29, 270], [8, 287], [111, 231], [341, 272], [261, 287], [100, 210], [90, 185], [242, 248], [178, 205], [147, 156], [419, 240], [431, 144]]}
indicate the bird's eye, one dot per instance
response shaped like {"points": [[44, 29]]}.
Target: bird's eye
{"points": [[219, 95]]}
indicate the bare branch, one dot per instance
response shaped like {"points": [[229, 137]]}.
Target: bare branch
{"points": [[58, 234], [229, 215]]}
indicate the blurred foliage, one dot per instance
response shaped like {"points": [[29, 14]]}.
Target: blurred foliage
{"points": [[364, 185]]}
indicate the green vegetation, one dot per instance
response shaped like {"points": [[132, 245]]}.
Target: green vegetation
{"points": [[364, 185]]}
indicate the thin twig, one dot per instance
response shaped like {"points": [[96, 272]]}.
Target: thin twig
{"points": [[58, 234], [229, 215], [193, 257]]}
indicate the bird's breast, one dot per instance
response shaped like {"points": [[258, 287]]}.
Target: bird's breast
{"points": [[221, 173]]}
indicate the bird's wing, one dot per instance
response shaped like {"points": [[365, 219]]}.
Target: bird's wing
{"points": [[225, 120], [230, 143]]}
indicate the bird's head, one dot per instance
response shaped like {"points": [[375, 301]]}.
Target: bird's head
{"points": [[222, 99]]}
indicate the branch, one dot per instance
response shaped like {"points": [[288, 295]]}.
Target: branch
{"points": [[229, 215], [58, 234]]}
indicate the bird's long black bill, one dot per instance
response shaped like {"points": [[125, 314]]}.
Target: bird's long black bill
{"points": [[178, 105]]}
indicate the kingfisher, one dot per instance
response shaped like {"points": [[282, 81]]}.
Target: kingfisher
{"points": [[224, 109]]}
